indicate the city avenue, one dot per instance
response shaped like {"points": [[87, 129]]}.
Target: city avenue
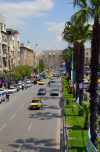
{"points": [[25, 130]]}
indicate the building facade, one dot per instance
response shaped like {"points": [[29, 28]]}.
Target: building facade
{"points": [[26, 55], [52, 58], [13, 47], [35, 58], [3, 45], [87, 55]]}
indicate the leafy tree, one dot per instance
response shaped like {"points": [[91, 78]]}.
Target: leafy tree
{"points": [[66, 55], [87, 11], [41, 66], [22, 71], [86, 109], [77, 33]]}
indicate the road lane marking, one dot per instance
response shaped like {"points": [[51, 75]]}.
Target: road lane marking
{"points": [[12, 116], [19, 147], [30, 127], [21, 106], [2, 127], [29, 97]]}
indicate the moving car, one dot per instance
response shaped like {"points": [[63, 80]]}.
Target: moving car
{"points": [[35, 103], [45, 77], [41, 82], [28, 84], [42, 91], [55, 91], [52, 80], [54, 75]]}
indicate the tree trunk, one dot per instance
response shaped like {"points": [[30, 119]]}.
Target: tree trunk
{"points": [[77, 72], [81, 72], [86, 124], [93, 85]]}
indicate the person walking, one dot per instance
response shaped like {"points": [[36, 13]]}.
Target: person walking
{"points": [[7, 97], [17, 88]]}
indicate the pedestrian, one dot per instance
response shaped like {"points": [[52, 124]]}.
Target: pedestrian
{"points": [[22, 87], [7, 97], [17, 88], [49, 83], [34, 82], [25, 86]]}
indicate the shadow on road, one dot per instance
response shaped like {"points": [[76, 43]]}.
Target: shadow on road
{"points": [[35, 145]]}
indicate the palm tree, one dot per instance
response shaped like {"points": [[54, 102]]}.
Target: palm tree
{"points": [[92, 9], [77, 33], [66, 55], [86, 109]]}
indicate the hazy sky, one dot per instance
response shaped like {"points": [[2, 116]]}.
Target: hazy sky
{"points": [[39, 21]]}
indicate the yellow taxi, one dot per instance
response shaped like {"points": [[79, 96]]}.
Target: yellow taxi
{"points": [[41, 82], [99, 80], [35, 103]]}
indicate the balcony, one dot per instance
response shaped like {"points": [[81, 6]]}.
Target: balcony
{"points": [[4, 55], [13, 57]]}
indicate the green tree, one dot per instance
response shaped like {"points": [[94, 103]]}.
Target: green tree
{"points": [[66, 55], [87, 11], [77, 33], [41, 66], [22, 71], [86, 109]]}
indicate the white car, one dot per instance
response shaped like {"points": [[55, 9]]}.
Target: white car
{"points": [[86, 83], [12, 90], [29, 84], [2, 96]]}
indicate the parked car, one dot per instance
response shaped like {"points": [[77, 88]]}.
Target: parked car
{"points": [[3, 90], [20, 85], [12, 90], [52, 80], [35, 103], [42, 91], [55, 91], [2, 96]]}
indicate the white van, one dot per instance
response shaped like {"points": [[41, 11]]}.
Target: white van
{"points": [[2, 96]]}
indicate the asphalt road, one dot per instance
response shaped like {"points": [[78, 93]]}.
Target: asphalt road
{"points": [[24, 130]]}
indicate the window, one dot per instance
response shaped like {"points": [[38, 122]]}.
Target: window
{"points": [[86, 53], [86, 59]]}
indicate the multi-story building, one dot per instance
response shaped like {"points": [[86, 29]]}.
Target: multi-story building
{"points": [[35, 58], [13, 47], [87, 55], [40, 58], [3, 45], [26, 55], [52, 58]]}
